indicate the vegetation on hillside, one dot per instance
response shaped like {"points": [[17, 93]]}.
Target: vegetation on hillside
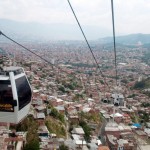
{"points": [[57, 115], [55, 122], [90, 117], [146, 57], [54, 126], [145, 104], [77, 97], [142, 84], [132, 95], [87, 130], [31, 126], [63, 147], [144, 117], [68, 85]]}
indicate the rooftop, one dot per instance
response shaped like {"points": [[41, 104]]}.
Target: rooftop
{"points": [[78, 131], [103, 148], [12, 68]]}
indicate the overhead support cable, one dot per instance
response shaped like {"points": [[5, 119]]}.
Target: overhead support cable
{"points": [[1, 33], [87, 43], [114, 40]]}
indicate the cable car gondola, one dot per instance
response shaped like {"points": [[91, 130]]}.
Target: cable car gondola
{"points": [[15, 95]]}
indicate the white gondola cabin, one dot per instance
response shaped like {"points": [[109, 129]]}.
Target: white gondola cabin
{"points": [[15, 95]]}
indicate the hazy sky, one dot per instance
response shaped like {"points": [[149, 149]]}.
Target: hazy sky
{"points": [[131, 16]]}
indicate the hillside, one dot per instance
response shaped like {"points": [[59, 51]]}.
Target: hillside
{"points": [[132, 39], [144, 84]]}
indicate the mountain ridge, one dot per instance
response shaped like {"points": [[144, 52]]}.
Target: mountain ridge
{"points": [[32, 31], [130, 39]]}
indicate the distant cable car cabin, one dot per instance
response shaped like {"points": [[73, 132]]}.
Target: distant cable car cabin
{"points": [[15, 95], [118, 99]]}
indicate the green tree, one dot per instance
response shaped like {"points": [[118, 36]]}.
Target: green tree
{"points": [[86, 129], [32, 145], [31, 126], [63, 147], [124, 81], [145, 104], [54, 113], [62, 88], [132, 96], [101, 81], [139, 85]]}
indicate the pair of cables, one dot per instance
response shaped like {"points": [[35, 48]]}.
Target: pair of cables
{"points": [[96, 62], [114, 43]]}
